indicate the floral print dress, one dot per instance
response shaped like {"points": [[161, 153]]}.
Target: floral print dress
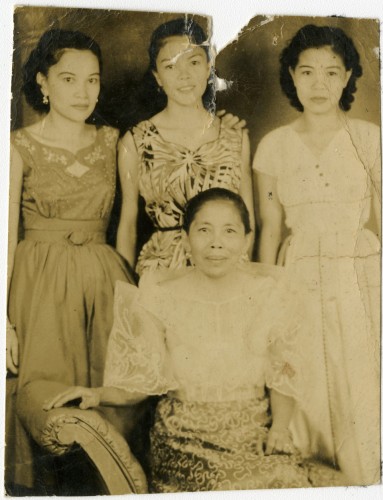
{"points": [[169, 175]]}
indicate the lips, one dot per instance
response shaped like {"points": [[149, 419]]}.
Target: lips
{"points": [[318, 100], [216, 257], [80, 106], [186, 88]]}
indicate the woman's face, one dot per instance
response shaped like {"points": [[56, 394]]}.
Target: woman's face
{"points": [[72, 85], [217, 238], [182, 71], [319, 78]]}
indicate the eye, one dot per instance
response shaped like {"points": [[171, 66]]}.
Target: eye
{"points": [[195, 62], [230, 230], [94, 80], [202, 229], [306, 72], [68, 79], [332, 73], [170, 66]]}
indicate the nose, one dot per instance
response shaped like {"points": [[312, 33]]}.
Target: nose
{"points": [[183, 72], [82, 90], [320, 79], [216, 240]]}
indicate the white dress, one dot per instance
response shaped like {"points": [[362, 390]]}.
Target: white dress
{"points": [[327, 201]]}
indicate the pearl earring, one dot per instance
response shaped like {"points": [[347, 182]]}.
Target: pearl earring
{"points": [[45, 99]]}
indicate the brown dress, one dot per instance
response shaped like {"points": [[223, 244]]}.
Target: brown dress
{"points": [[61, 295]]}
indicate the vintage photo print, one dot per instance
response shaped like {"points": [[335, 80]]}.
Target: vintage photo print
{"points": [[193, 280]]}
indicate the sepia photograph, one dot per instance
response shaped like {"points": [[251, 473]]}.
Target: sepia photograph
{"points": [[193, 275]]}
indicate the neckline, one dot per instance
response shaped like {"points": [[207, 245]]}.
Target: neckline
{"points": [[236, 297], [182, 145], [324, 150], [58, 148]]}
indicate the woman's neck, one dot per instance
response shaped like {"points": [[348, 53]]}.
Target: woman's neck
{"points": [[318, 123], [215, 288], [57, 129], [186, 117]]}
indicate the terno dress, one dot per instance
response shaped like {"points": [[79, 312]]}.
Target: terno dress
{"points": [[169, 175], [327, 201], [212, 360], [61, 295]]}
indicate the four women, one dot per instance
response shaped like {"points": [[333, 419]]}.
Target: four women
{"points": [[63, 172]]}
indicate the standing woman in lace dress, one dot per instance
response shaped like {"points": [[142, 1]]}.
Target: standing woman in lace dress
{"points": [[180, 151], [62, 273], [321, 174]]}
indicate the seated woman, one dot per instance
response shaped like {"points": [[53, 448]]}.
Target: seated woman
{"points": [[211, 338]]}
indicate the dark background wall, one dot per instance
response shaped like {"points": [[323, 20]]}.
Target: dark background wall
{"points": [[252, 63], [124, 38]]}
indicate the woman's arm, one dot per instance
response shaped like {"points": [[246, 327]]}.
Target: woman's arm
{"points": [[271, 215], [15, 189], [96, 396], [128, 172], [246, 186], [279, 439]]}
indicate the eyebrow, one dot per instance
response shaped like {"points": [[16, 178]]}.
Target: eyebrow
{"points": [[174, 59], [327, 67], [74, 74], [232, 224]]}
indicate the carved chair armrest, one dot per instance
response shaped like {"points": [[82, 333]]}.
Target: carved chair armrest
{"points": [[59, 429]]}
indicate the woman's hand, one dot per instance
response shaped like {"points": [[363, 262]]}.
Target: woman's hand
{"points": [[230, 121], [12, 349], [89, 398], [279, 441]]}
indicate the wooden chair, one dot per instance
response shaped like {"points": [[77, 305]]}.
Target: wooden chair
{"points": [[61, 429]]}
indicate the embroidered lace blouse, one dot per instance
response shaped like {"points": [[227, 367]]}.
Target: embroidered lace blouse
{"points": [[204, 350]]}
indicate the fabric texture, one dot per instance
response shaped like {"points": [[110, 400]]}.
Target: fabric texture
{"points": [[212, 369], [61, 295], [327, 202], [170, 174]]}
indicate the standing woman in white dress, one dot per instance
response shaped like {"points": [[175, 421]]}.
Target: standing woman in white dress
{"points": [[320, 175]]}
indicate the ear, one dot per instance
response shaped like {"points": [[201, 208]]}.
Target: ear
{"points": [[247, 243], [185, 241], [158, 80], [292, 74], [208, 70], [348, 76], [42, 81]]}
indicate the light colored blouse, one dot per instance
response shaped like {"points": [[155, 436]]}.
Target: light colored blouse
{"points": [[205, 350]]}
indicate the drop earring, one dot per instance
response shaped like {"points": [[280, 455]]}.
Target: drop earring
{"points": [[189, 259], [45, 99]]}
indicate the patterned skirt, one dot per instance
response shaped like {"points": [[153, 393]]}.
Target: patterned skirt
{"points": [[198, 446]]}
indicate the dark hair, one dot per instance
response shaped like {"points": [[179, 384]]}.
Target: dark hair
{"points": [[311, 36], [183, 26], [194, 205], [47, 53]]}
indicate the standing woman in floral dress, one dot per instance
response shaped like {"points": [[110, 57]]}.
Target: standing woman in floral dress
{"points": [[62, 273], [321, 175], [180, 151]]}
